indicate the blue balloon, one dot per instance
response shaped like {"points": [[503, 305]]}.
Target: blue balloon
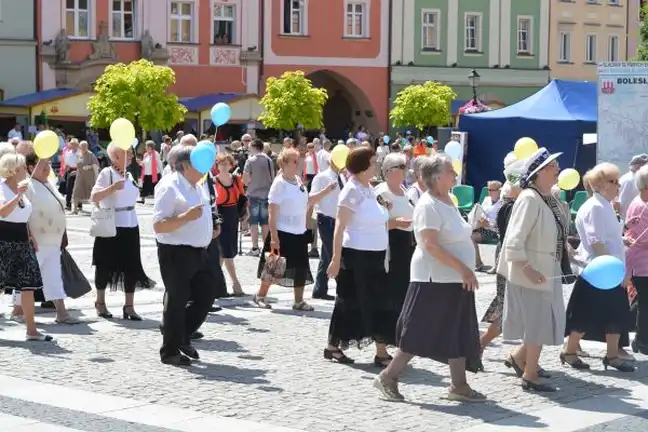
{"points": [[220, 114], [202, 158], [453, 149], [430, 140], [386, 139], [604, 272]]}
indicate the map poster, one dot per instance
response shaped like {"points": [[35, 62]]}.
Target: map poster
{"points": [[622, 125]]}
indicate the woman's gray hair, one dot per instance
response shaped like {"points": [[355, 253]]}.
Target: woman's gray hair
{"points": [[6, 148], [641, 178], [393, 160], [416, 166], [431, 168], [182, 158], [10, 163]]}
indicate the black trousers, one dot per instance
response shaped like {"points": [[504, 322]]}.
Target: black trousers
{"points": [[70, 180], [641, 285], [190, 292]]}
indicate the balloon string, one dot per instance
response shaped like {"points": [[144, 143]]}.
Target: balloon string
{"points": [[35, 168]]}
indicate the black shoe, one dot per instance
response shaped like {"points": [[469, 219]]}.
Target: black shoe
{"points": [[189, 351], [215, 308], [323, 296], [313, 253], [338, 356], [129, 314], [537, 387], [177, 360], [196, 335], [47, 305], [617, 364]]}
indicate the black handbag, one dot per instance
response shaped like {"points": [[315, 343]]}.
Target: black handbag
{"points": [[75, 283]]}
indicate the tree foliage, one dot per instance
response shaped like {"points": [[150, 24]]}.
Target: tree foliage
{"points": [[138, 92], [423, 105], [642, 49], [292, 100]]}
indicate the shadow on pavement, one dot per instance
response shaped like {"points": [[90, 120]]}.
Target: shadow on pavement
{"points": [[46, 349], [227, 373], [219, 345], [81, 329], [324, 315]]}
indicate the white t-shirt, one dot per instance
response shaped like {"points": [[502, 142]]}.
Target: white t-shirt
{"points": [[323, 160], [491, 211], [122, 199], [310, 161], [148, 163], [381, 152], [327, 205], [17, 215], [414, 193], [454, 236], [401, 206], [292, 200], [367, 229], [596, 222]]}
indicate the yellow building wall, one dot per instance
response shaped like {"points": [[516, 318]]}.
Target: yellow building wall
{"points": [[244, 109], [73, 106]]}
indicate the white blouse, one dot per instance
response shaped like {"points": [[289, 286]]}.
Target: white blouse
{"points": [[119, 200], [17, 215], [596, 222], [491, 211], [401, 205], [367, 229], [47, 220], [147, 161], [292, 200]]}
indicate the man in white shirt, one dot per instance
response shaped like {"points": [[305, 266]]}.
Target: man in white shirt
{"points": [[326, 211], [184, 229], [16, 132], [324, 156], [627, 189], [70, 161]]}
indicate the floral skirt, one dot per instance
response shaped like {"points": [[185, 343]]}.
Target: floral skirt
{"points": [[19, 268]]}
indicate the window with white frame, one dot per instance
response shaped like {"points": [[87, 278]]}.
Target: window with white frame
{"points": [[77, 18], [224, 23], [524, 34], [181, 18], [590, 48], [614, 2], [564, 47], [472, 38], [294, 17], [430, 31], [123, 19], [356, 19], [613, 48]]}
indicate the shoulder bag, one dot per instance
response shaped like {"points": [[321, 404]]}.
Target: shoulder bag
{"points": [[103, 219]]}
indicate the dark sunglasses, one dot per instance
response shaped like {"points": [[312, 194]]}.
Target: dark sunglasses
{"points": [[400, 167]]}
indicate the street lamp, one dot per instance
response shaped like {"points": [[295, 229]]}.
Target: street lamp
{"points": [[474, 82]]}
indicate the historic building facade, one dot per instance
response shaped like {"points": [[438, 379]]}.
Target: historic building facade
{"points": [[18, 71], [343, 46]]}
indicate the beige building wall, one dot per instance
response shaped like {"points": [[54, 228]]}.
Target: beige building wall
{"points": [[584, 33]]}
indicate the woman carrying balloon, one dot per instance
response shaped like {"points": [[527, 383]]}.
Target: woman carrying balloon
{"points": [[598, 308]]}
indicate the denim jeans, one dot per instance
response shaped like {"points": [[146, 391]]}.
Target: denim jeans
{"points": [[325, 227]]}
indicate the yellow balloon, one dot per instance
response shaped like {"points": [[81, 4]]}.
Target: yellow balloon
{"points": [[122, 133], [525, 147], [457, 165], [339, 155], [46, 144], [568, 179], [454, 199]]}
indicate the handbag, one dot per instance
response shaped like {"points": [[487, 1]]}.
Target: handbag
{"points": [[75, 283], [274, 267], [102, 220]]}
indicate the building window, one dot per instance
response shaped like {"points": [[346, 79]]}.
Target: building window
{"points": [[123, 19], [77, 18], [614, 2], [472, 40], [590, 49], [564, 54], [613, 48], [294, 17], [224, 24], [524, 33], [181, 18], [356, 20], [430, 30]]}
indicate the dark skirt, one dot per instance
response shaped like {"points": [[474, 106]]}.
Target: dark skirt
{"points": [[293, 247], [496, 309], [19, 268], [401, 249], [439, 322], [214, 253], [363, 312], [596, 312], [228, 237], [148, 186], [118, 261]]}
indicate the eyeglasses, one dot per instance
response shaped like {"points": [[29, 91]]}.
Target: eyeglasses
{"points": [[614, 181], [400, 167], [493, 190]]}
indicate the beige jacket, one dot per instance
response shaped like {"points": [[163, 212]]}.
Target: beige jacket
{"points": [[530, 237]]}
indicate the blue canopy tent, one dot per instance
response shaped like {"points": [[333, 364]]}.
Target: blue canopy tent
{"points": [[556, 117]]}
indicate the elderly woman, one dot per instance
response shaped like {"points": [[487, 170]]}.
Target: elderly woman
{"points": [[594, 314], [532, 252], [151, 172], [22, 272], [439, 319], [363, 312], [487, 228], [637, 256], [87, 168], [288, 209], [401, 239], [416, 190], [118, 260]]}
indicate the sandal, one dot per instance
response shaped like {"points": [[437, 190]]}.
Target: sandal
{"points": [[471, 396], [303, 306], [511, 364], [337, 355], [69, 320], [102, 311], [261, 302], [39, 338], [238, 290]]}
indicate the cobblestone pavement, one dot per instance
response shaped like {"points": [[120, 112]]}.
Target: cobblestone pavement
{"points": [[267, 366]]}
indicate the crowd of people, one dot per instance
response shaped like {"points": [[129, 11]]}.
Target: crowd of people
{"points": [[404, 258]]}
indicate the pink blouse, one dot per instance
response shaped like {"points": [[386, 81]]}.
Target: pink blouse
{"points": [[637, 222]]}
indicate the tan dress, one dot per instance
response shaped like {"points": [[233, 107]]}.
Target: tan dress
{"points": [[86, 176]]}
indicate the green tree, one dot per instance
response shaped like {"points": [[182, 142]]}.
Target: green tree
{"points": [[642, 49], [137, 91], [423, 105], [292, 100]]}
